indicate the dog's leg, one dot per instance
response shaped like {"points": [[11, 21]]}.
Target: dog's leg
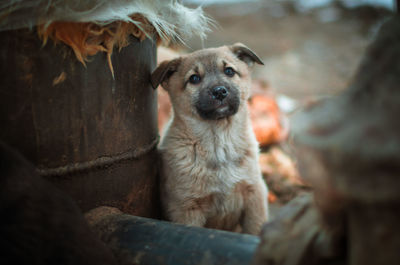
{"points": [[192, 216], [256, 209]]}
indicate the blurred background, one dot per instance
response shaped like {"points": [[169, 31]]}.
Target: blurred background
{"points": [[311, 49]]}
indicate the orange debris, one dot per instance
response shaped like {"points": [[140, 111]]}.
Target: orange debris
{"points": [[271, 197], [266, 119], [87, 39]]}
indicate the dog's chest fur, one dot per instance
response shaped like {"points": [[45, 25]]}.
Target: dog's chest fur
{"points": [[213, 166]]}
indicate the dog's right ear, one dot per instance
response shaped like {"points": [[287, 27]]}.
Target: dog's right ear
{"points": [[164, 71]]}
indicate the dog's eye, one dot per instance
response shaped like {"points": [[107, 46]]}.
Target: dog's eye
{"points": [[194, 79], [229, 71]]}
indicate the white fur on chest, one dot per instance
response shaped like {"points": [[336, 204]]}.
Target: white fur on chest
{"points": [[212, 159]]}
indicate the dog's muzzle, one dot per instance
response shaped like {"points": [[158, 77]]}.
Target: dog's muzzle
{"points": [[219, 92], [217, 102]]}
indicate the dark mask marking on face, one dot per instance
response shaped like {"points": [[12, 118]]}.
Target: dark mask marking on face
{"points": [[218, 101]]}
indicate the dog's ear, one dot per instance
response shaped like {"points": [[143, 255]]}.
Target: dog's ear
{"points": [[164, 71], [245, 54]]}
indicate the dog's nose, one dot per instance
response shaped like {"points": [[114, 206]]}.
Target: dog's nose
{"points": [[219, 92]]}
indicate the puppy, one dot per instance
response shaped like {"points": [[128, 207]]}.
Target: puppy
{"points": [[210, 175]]}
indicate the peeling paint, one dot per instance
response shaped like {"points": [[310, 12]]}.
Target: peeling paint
{"points": [[59, 79]]}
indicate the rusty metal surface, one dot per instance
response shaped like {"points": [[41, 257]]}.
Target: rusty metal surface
{"points": [[296, 236], [137, 240], [357, 133], [91, 135], [41, 225], [350, 153], [374, 236], [349, 150]]}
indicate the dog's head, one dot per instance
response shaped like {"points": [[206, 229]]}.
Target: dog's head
{"points": [[212, 83]]}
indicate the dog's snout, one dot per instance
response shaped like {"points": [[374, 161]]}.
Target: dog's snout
{"points": [[219, 92]]}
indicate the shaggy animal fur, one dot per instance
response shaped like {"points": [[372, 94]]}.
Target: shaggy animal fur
{"points": [[210, 175], [93, 26], [170, 19]]}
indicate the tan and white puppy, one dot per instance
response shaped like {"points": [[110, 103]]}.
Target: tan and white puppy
{"points": [[210, 175]]}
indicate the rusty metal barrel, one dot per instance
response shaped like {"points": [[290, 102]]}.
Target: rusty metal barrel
{"points": [[91, 134]]}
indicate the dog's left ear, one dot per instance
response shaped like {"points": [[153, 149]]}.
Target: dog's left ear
{"points": [[245, 54], [163, 72]]}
